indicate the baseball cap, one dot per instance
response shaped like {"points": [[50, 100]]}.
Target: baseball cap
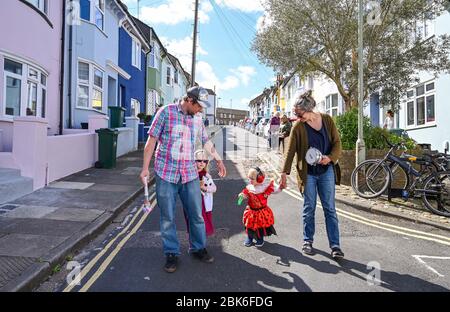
{"points": [[200, 95]]}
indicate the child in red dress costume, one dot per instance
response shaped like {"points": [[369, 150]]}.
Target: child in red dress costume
{"points": [[258, 218], [208, 188]]}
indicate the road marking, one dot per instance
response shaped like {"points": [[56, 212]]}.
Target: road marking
{"points": [[113, 254], [377, 224], [419, 258], [341, 212], [92, 263]]}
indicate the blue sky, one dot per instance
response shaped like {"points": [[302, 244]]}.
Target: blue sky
{"points": [[226, 30]]}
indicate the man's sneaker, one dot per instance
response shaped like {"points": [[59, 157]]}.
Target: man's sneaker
{"points": [[259, 243], [307, 248], [248, 242], [336, 253], [171, 263], [203, 256]]}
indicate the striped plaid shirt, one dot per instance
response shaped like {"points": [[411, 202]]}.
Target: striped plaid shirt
{"points": [[176, 133]]}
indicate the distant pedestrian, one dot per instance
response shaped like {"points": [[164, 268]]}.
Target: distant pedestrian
{"points": [[176, 127], [315, 135], [273, 130], [389, 121], [285, 131], [206, 122], [258, 218]]}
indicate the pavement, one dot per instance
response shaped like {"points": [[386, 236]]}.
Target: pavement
{"points": [[43, 229], [411, 210]]}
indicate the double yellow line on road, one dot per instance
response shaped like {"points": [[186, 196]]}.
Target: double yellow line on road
{"points": [[445, 240], [85, 271]]}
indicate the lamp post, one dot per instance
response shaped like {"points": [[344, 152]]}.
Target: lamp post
{"points": [[360, 145]]}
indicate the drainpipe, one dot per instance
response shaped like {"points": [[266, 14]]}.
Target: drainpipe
{"points": [[69, 83], [61, 83]]}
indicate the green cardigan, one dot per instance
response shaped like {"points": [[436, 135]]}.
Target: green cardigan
{"points": [[298, 145]]}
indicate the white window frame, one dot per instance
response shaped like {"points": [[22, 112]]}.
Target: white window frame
{"points": [[97, 88], [102, 12], [136, 53], [413, 99], [152, 56], [135, 107], [329, 108], [91, 85], [42, 5], [175, 76], [25, 80], [168, 76]]}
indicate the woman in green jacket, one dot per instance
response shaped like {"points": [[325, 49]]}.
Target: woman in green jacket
{"points": [[315, 131]]}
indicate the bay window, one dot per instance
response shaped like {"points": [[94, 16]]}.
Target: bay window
{"points": [[41, 5], [168, 76], [90, 86], [420, 105], [99, 17], [25, 92], [136, 53], [331, 106]]}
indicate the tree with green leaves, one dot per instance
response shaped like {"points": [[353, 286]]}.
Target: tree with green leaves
{"points": [[320, 37]]}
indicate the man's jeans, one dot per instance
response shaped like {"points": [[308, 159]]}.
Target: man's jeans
{"points": [[323, 184], [191, 198]]}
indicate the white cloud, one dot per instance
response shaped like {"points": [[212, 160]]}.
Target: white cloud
{"points": [[241, 5], [206, 76], [174, 12], [182, 49], [244, 73], [263, 22]]}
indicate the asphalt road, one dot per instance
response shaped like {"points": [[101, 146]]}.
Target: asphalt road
{"points": [[381, 253]]}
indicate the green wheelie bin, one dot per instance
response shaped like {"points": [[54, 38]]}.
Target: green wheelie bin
{"points": [[107, 148], [117, 114]]}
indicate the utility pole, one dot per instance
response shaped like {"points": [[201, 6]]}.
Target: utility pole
{"points": [[194, 46], [360, 145], [138, 9]]}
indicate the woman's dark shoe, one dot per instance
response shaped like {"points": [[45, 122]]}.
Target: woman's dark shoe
{"points": [[171, 263], [336, 253], [203, 256], [307, 248]]}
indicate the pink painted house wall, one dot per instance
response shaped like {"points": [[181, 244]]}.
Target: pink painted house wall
{"points": [[26, 35]]}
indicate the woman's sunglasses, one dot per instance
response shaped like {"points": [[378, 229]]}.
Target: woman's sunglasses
{"points": [[202, 161]]}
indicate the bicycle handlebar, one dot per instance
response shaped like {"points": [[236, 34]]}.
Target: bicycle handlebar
{"points": [[402, 143]]}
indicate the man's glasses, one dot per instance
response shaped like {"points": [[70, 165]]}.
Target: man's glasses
{"points": [[202, 161]]}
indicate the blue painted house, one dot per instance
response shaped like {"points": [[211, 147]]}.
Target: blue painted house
{"points": [[133, 50]]}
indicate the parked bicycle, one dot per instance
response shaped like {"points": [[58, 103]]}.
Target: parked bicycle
{"points": [[372, 178]]}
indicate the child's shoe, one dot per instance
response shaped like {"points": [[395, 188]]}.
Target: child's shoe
{"points": [[259, 242], [248, 242]]}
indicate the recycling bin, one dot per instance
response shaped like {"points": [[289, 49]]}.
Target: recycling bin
{"points": [[116, 114], [107, 148]]}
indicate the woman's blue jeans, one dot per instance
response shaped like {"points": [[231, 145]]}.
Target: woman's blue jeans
{"points": [[191, 198], [324, 185]]}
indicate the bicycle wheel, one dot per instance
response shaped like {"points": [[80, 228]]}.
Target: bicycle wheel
{"points": [[400, 179], [370, 179], [436, 196]]}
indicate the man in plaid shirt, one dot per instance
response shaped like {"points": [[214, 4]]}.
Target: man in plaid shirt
{"points": [[176, 128]]}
